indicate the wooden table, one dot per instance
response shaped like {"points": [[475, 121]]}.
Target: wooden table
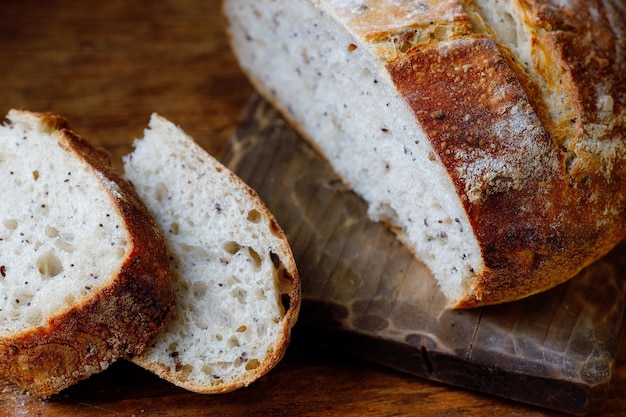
{"points": [[107, 66]]}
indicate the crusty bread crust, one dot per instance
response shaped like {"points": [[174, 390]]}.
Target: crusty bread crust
{"points": [[569, 210], [554, 200], [113, 322], [537, 228]]}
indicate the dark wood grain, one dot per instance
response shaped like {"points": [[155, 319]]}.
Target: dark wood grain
{"points": [[107, 66]]}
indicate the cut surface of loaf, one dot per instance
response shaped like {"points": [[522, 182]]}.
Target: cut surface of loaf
{"points": [[236, 284], [488, 134], [84, 273]]}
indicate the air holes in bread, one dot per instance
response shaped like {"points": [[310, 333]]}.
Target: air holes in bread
{"points": [[256, 259], [260, 294], [184, 370], [254, 216], [252, 364], [49, 265], [240, 294], [51, 232], [231, 247], [284, 281], [275, 229], [10, 224], [160, 192], [233, 342], [275, 260], [243, 358], [206, 369], [285, 300], [199, 289]]}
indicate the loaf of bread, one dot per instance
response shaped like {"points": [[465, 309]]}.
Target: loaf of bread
{"points": [[488, 134], [84, 271], [236, 285]]}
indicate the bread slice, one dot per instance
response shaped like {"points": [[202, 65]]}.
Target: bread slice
{"points": [[84, 272], [490, 135], [236, 284]]}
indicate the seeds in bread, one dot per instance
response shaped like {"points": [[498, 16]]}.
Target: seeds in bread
{"points": [[84, 274], [236, 284]]}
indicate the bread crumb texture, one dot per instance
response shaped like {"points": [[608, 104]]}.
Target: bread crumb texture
{"points": [[233, 273], [60, 235]]}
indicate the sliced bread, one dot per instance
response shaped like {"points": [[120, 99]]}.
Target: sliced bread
{"points": [[235, 280], [84, 272], [490, 135]]}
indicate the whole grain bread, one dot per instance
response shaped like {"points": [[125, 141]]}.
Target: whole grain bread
{"points": [[84, 272], [235, 280], [488, 134]]}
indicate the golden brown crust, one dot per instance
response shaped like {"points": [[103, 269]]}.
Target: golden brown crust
{"points": [[535, 148], [540, 225], [116, 321]]}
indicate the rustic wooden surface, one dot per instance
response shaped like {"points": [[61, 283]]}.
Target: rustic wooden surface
{"points": [[107, 66], [367, 294]]}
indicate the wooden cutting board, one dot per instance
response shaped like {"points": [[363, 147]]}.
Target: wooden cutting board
{"points": [[364, 293]]}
